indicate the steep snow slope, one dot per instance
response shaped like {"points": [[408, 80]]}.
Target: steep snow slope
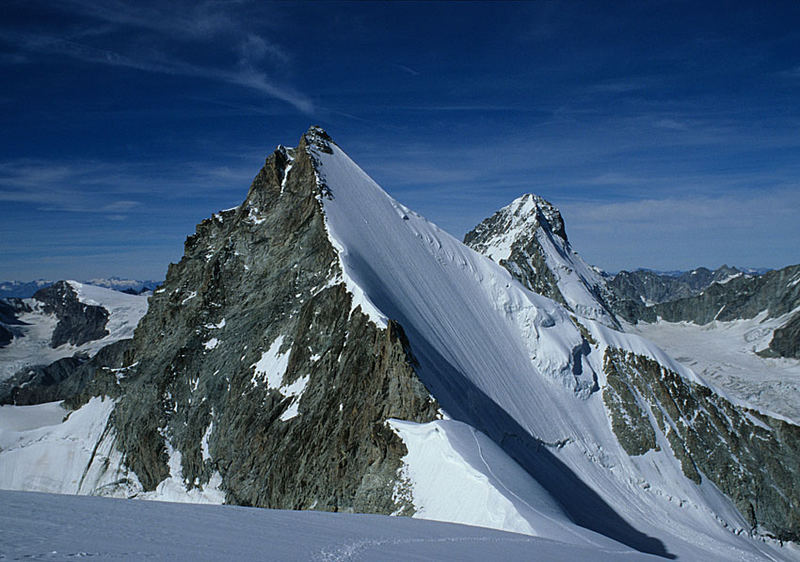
{"points": [[513, 365], [45, 448], [454, 473], [43, 526], [40, 453], [33, 348]]}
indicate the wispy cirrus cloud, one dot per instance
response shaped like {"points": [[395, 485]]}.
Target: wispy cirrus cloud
{"points": [[157, 39]]}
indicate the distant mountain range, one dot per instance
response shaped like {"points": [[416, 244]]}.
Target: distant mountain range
{"points": [[26, 289]]}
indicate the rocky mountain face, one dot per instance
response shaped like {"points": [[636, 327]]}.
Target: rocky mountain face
{"points": [[64, 379], [751, 457], [529, 239], [652, 287], [253, 362], [78, 322], [776, 293]]}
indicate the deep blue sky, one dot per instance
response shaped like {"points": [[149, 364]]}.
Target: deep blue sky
{"points": [[667, 132]]}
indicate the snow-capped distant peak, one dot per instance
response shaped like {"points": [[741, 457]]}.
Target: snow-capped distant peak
{"points": [[496, 236], [528, 238]]}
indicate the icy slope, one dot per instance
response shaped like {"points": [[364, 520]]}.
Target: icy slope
{"points": [[33, 348], [45, 448], [40, 453], [43, 526], [513, 365]]}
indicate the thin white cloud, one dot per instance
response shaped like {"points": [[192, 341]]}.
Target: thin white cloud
{"points": [[406, 69], [191, 24]]}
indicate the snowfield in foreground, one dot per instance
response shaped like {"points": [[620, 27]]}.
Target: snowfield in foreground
{"points": [[56, 527]]}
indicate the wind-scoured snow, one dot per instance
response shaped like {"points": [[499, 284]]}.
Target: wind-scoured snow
{"points": [[513, 365], [457, 474], [43, 526]]}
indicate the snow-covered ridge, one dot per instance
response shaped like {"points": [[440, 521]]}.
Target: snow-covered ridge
{"points": [[124, 310], [507, 361]]}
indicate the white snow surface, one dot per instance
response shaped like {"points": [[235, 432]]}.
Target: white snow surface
{"points": [[39, 452], [457, 474], [510, 363], [43, 526], [269, 369], [124, 310], [723, 353]]}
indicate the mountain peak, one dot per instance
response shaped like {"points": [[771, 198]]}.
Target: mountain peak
{"points": [[528, 238], [517, 221], [535, 207], [318, 138]]}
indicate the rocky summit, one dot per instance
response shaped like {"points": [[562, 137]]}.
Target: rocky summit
{"points": [[321, 346]]}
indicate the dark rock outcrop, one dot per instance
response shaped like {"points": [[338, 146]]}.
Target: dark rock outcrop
{"points": [[653, 287], [78, 322], [741, 297], [786, 340], [10, 308], [6, 336]]}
